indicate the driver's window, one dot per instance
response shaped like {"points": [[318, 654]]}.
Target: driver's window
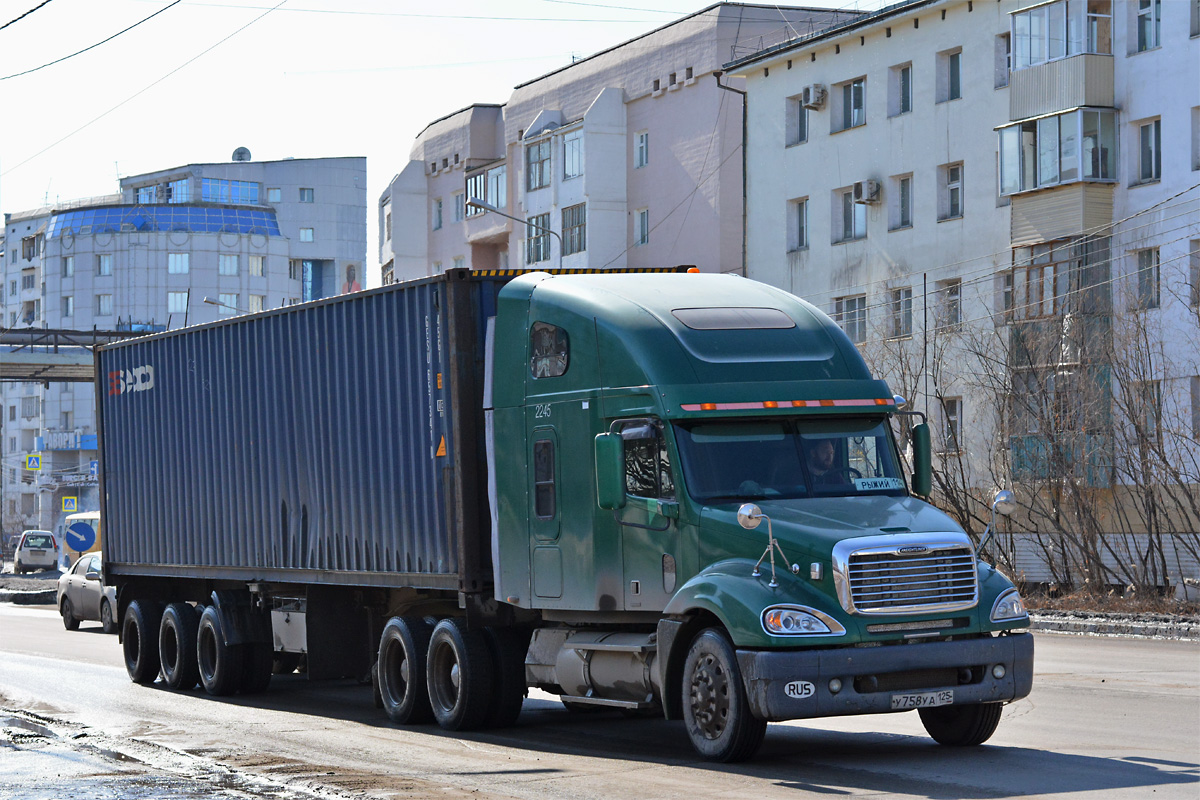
{"points": [[94, 566], [647, 464]]}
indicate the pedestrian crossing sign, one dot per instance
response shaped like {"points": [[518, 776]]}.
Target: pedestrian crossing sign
{"points": [[71, 504]]}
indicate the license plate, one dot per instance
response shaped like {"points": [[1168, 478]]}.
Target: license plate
{"points": [[922, 699]]}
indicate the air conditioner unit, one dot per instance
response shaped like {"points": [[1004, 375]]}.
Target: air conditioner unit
{"points": [[813, 96], [866, 192]]}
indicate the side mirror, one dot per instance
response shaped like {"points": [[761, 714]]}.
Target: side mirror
{"points": [[610, 471], [92, 576], [922, 474], [1005, 503], [749, 516]]}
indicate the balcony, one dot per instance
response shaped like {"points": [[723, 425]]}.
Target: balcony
{"points": [[1082, 80], [1060, 212]]}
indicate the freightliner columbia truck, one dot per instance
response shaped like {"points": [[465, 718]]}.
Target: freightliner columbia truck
{"points": [[666, 493]]}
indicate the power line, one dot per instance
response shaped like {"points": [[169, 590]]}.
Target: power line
{"points": [[26, 14], [140, 92], [94, 46]]}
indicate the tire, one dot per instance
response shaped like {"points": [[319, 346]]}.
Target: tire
{"points": [[70, 621], [139, 640], [508, 665], [403, 651], [459, 675], [108, 620], [220, 663], [284, 663], [961, 726], [716, 712], [177, 646], [257, 667]]}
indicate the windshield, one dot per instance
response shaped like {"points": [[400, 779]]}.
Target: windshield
{"points": [[788, 458]]}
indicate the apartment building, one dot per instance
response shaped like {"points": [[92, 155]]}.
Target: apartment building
{"points": [[175, 247], [1000, 204], [631, 157]]}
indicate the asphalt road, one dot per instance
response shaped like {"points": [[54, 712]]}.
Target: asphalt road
{"points": [[1109, 718]]}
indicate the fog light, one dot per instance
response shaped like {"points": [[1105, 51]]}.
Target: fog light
{"points": [[998, 671], [835, 685]]}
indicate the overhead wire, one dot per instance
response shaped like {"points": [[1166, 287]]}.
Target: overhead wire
{"points": [[26, 14]]}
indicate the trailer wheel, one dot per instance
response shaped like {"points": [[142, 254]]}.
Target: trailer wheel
{"points": [[108, 620], [961, 726], [508, 665], [220, 663], [459, 675], [70, 621], [177, 646], [716, 711], [403, 651], [139, 640]]}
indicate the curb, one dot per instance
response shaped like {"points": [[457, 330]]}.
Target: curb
{"points": [[37, 598], [1101, 626]]}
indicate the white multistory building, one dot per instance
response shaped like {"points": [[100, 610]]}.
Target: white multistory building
{"points": [[174, 247], [1000, 203], [629, 158]]}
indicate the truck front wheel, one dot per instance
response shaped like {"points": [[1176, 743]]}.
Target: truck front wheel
{"points": [[403, 649], [459, 676], [961, 726], [716, 711]]}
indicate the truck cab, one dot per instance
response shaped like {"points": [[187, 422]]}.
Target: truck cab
{"points": [[698, 489]]}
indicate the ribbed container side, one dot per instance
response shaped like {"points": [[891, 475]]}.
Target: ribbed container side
{"points": [[306, 439]]}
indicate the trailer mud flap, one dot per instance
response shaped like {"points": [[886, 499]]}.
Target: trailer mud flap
{"points": [[339, 634]]}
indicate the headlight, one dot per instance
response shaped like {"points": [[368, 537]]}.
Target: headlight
{"points": [[799, 621], [1008, 606]]}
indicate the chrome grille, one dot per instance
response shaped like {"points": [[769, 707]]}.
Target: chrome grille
{"points": [[892, 582]]}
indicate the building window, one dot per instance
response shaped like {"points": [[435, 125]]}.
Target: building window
{"points": [[274, 195], [1047, 151], [497, 186], [900, 202], [177, 263], [460, 262], [850, 218], [1196, 407], [227, 264], [104, 305], [949, 303], [1040, 281], [104, 264], [306, 234], [537, 165], [1003, 62], [951, 424], [537, 239], [68, 266], [68, 306], [1150, 151], [257, 302], [902, 308], [476, 190], [1008, 296], [437, 214], [949, 75], [1149, 24], [900, 90], [1194, 273], [850, 313], [257, 266], [1057, 30], [220, 190], [850, 101], [306, 195], [797, 223], [641, 149], [574, 229], [179, 191], [387, 226], [293, 269], [1148, 278], [796, 123], [460, 207], [28, 282], [950, 203], [12, 288], [641, 226], [228, 304], [573, 154], [147, 195]]}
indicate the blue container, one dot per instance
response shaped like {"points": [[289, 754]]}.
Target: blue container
{"points": [[335, 442]]}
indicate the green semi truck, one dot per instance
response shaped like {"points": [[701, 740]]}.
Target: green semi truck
{"points": [[666, 493]]}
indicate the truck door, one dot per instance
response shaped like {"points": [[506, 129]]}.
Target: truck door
{"points": [[649, 521]]}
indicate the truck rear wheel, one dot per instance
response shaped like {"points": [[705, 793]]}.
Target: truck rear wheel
{"points": [[459, 676], [177, 646], [716, 711], [139, 640], [508, 664], [961, 726], [220, 663], [403, 651]]}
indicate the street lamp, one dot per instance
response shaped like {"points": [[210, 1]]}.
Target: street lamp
{"points": [[475, 203]]}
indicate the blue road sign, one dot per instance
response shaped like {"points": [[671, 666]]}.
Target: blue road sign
{"points": [[80, 537], [33, 462], [94, 469], [70, 504]]}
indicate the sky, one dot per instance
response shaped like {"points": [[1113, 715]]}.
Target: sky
{"points": [[298, 78]]}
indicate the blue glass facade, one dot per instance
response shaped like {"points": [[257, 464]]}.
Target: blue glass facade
{"points": [[193, 219]]}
